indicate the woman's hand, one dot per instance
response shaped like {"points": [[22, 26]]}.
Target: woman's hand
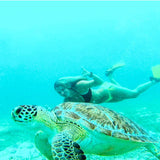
{"points": [[86, 73]]}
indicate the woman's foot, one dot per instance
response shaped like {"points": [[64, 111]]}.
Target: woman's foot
{"points": [[110, 71], [153, 79]]}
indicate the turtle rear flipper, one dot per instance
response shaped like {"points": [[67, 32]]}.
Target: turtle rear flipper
{"points": [[42, 144], [64, 148], [154, 149]]}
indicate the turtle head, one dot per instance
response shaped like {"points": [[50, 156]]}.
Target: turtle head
{"points": [[24, 113], [29, 113]]}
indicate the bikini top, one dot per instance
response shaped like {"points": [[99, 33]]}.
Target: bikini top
{"points": [[87, 97]]}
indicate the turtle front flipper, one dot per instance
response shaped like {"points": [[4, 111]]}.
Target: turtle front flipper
{"points": [[64, 148], [43, 145]]}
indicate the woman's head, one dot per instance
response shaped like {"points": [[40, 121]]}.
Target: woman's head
{"points": [[66, 86], [63, 87]]}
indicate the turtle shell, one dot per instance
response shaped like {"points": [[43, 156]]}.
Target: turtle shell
{"points": [[101, 119]]}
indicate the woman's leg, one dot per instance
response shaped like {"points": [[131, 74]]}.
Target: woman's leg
{"points": [[109, 73], [143, 87], [112, 80], [125, 93]]}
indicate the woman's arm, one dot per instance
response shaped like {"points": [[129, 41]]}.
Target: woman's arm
{"points": [[69, 82], [96, 80]]}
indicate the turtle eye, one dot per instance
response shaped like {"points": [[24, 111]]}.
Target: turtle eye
{"points": [[18, 110]]}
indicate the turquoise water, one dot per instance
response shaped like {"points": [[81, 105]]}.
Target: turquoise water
{"points": [[43, 41]]}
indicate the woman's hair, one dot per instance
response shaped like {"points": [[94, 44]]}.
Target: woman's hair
{"points": [[61, 82], [67, 82]]}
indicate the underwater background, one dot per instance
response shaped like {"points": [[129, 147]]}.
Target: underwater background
{"points": [[43, 41]]}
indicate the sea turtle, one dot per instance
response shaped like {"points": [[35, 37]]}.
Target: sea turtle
{"points": [[78, 128]]}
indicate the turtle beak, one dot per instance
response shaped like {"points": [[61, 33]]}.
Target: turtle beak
{"points": [[15, 112], [12, 115]]}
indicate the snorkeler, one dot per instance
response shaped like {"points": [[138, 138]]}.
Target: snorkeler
{"points": [[80, 88]]}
